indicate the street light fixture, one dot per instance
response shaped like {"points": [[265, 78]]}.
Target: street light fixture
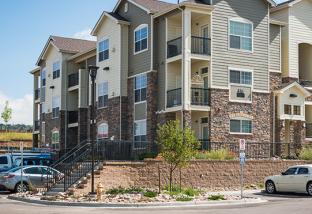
{"points": [[92, 72]]}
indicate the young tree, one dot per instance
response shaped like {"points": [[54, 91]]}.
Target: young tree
{"points": [[177, 146], [6, 114]]}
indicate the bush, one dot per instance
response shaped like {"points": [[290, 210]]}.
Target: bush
{"points": [[221, 154], [121, 190], [306, 154], [147, 155], [216, 198], [191, 192], [184, 198], [150, 194]]}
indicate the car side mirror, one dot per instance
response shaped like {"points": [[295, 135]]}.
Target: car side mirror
{"points": [[283, 173]]}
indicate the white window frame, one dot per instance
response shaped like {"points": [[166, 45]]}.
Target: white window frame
{"points": [[105, 93], [43, 73], [106, 128], [126, 7], [55, 144], [243, 85], [140, 88], [59, 70], [241, 126], [140, 27], [107, 49], [57, 100], [244, 21]]}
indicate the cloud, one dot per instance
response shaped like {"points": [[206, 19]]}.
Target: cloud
{"points": [[85, 34], [22, 109]]}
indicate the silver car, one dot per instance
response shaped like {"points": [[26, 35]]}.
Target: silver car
{"points": [[33, 177]]}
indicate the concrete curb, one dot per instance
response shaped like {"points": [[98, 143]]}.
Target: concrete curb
{"points": [[246, 201]]}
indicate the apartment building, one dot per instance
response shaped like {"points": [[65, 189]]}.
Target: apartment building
{"points": [[226, 68]]}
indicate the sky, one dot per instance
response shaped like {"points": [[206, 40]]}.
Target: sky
{"points": [[25, 26]]}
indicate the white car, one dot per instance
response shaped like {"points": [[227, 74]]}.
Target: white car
{"points": [[295, 179]]}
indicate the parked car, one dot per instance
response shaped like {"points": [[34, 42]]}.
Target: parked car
{"points": [[296, 179], [33, 176]]}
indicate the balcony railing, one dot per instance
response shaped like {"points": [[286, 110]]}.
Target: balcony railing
{"points": [[201, 45], [73, 80], [37, 94], [174, 47], [200, 96], [36, 125], [72, 117], [174, 97], [308, 130], [305, 83]]}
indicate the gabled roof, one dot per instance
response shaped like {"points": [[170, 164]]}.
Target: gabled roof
{"points": [[67, 45], [150, 6], [114, 16], [285, 4], [295, 84]]}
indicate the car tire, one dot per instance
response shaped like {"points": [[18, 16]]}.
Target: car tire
{"points": [[309, 188], [270, 187], [21, 188]]}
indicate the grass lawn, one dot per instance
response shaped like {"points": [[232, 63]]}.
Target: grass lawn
{"points": [[15, 136]]}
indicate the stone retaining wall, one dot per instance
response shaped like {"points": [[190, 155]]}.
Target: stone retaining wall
{"points": [[213, 175]]}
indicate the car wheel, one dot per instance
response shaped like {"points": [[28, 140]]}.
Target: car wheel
{"points": [[309, 188], [19, 188], [270, 187]]}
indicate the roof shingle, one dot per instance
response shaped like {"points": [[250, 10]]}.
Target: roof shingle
{"points": [[154, 5], [72, 45]]}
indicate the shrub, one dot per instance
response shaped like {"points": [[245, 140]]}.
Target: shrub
{"points": [[121, 190], [150, 194], [306, 154], [184, 198], [115, 191], [191, 192], [221, 154], [216, 198], [147, 155], [15, 136]]}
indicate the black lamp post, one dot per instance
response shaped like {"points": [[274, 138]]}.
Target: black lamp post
{"points": [[92, 72]]}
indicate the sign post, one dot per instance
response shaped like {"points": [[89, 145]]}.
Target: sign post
{"points": [[242, 160], [22, 163]]}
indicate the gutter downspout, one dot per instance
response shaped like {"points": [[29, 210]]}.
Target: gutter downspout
{"points": [[183, 47]]}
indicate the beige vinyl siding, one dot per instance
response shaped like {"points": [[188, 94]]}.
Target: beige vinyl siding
{"points": [[275, 48], [255, 11], [141, 62], [300, 27], [110, 30]]}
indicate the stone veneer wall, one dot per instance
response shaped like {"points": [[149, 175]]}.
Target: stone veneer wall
{"points": [[222, 110], [213, 175], [151, 108]]}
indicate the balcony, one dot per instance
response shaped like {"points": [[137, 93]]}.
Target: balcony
{"points": [[174, 98], [305, 83], [37, 94], [200, 96], [73, 80], [308, 130], [200, 46], [72, 117]]}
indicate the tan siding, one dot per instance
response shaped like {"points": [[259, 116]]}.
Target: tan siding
{"points": [[275, 48], [257, 12]]}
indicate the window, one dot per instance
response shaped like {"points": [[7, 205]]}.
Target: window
{"points": [[33, 171], [140, 88], [240, 85], [126, 7], [140, 130], [290, 171], [43, 78], [102, 131], [103, 95], [140, 38], [4, 160], [56, 70], [297, 110], [204, 120], [287, 109], [56, 140], [55, 107], [303, 171], [241, 126], [241, 35], [103, 50]]}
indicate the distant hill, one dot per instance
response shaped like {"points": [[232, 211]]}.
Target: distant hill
{"points": [[16, 127]]}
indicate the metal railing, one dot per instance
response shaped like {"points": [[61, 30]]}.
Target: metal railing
{"points": [[308, 130], [72, 117], [174, 97], [201, 45], [73, 80], [200, 96], [305, 83], [37, 93], [174, 47]]}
